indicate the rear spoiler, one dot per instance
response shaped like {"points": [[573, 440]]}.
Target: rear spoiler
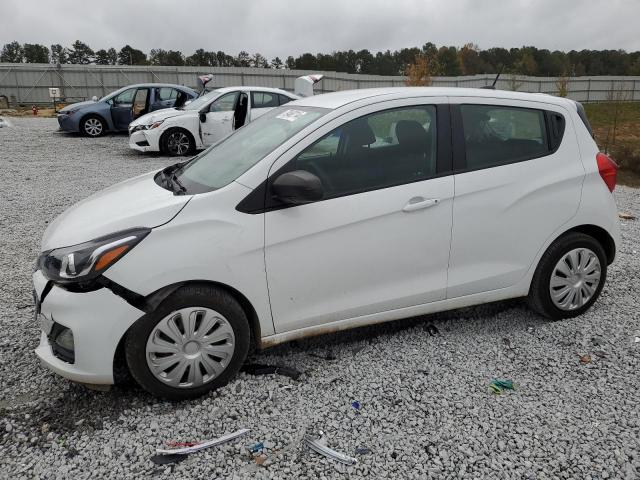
{"points": [[303, 86]]}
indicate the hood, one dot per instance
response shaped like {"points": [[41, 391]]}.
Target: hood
{"points": [[137, 202], [158, 115], [76, 106]]}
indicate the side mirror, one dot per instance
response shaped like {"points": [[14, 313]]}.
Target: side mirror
{"points": [[203, 117], [94, 98], [298, 187]]}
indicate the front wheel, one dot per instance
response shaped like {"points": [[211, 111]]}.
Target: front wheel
{"points": [[569, 277], [195, 342], [178, 143], [93, 126]]}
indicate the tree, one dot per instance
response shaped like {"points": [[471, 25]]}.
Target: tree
{"points": [[419, 72], [243, 59], [58, 54], [171, 58], [80, 53], [131, 56], [449, 61], [201, 58], [277, 64], [12, 53], [291, 62], [258, 61], [35, 53], [470, 61], [106, 57]]}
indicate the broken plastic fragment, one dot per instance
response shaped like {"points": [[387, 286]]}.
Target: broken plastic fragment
{"points": [[356, 404], [317, 446], [259, 369], [626, 216], [203, 445], [258, 447], [498, 386]]}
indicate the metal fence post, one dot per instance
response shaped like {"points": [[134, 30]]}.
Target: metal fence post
{"points": [[589, 91]]}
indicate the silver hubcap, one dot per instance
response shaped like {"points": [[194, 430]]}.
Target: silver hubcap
{"points": [[93, 127], [190, 347], [178, 143], [575, 279]]}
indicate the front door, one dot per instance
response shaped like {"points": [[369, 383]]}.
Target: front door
{"points": [[380, 238], [219, 118], [121, 109]]}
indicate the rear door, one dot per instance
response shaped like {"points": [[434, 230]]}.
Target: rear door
{"points": [[164, 97], [518, 179], [380, 238], [262, 102]]}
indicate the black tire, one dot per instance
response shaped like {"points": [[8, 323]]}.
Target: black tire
{"points": [[93, 126], [177, 142], [539, 298], [188, 296]]}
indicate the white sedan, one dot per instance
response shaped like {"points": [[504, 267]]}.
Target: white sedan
{"points": [[208, 119]]}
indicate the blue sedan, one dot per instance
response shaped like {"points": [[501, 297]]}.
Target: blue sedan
{"points": [[117, 110]]}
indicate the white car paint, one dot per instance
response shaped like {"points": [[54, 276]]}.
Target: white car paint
{"points": [[458, 239], [216, 126]]}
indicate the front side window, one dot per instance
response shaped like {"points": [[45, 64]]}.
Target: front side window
{"points": [[125, 98], [225, 103], [264, 100], [498, 135], [224, 162], [379, 150]]}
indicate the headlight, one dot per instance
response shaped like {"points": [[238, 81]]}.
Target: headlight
{"points": [[154, 125], [69, 112], [88, 260]]}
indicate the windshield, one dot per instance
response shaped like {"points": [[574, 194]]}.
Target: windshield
{"points": [[226, 161], [200, 102]]}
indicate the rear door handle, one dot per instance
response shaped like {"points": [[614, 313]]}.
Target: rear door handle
{"points": [[418, 203]]}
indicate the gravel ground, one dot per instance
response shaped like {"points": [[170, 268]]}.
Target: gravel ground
{"points": [[425, 406]]}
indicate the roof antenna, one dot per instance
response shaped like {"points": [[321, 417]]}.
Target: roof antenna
{"points": [[493, 85]]}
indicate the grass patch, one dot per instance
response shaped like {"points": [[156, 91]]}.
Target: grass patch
{"points": [[621, 140]]}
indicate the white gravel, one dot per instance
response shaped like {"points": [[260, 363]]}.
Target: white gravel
{"points": [[426, 410]]}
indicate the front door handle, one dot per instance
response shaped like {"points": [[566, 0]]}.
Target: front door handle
{"points": [[418, 203]]}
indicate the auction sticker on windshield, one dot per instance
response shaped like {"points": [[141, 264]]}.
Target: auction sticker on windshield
{"points": [[291, 115]]}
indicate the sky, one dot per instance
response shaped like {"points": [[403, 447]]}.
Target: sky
{"points": [[291, 27]]}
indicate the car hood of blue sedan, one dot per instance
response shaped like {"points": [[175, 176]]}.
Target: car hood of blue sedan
{"points": [[76, 106]]}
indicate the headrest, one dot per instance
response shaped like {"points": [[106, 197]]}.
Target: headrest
{"points": [[410, 131], [360, 134]]}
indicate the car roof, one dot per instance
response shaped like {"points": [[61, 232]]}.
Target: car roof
{"points": [[152, 85], [338, 99], [256, 89]]}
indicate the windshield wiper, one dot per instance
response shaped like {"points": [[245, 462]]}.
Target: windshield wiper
{"points": [[177, 183]]}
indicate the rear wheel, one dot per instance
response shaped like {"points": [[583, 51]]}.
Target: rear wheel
{"points": [[177, 143], [569, 277], [193, 343], [93, 126]]}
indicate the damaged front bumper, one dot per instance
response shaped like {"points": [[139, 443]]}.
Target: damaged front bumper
{"points": [[97, 320]]}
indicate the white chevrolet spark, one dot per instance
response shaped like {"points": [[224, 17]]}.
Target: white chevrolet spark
{"points": [[328, 213]]}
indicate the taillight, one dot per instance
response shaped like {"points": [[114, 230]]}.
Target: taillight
{"points": [[608, 170]]}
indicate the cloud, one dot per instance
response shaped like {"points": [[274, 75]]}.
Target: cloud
{"points": [[291, 27]]}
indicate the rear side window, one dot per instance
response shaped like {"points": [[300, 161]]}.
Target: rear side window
{"points": [[499, 135], [264, 100], [166, 93]]}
